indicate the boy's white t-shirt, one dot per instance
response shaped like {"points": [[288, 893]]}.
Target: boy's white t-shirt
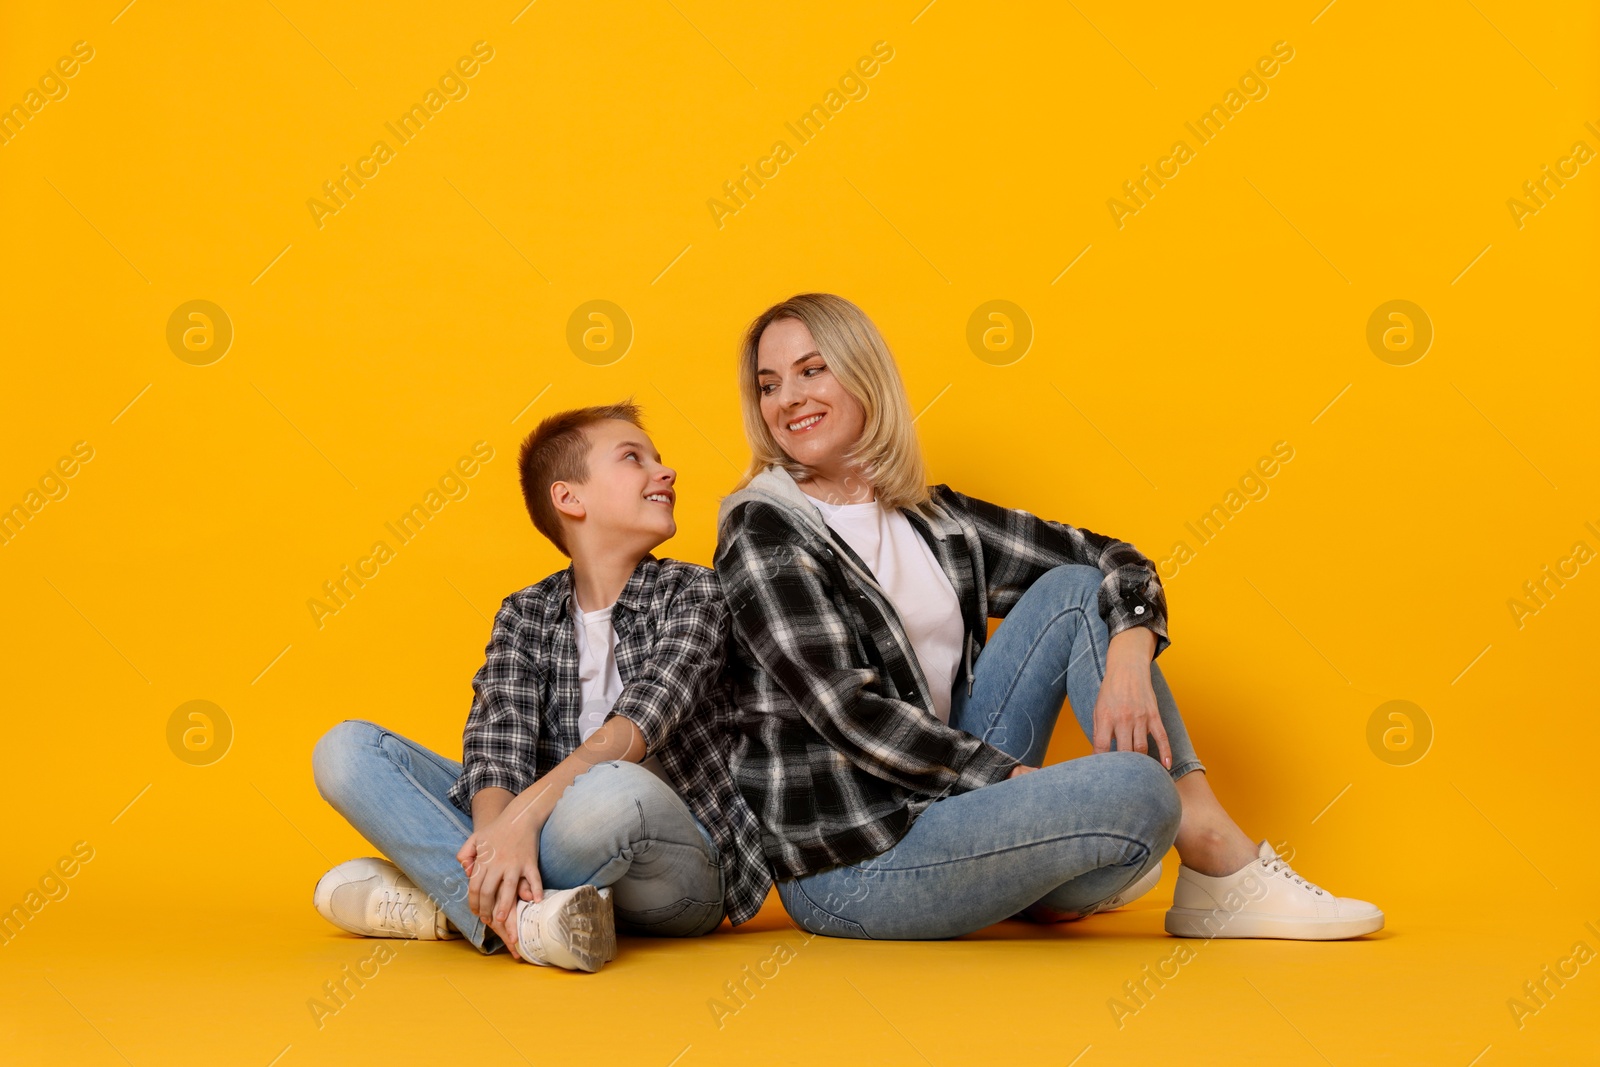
{"points": [[909, 572], [598, 678]]}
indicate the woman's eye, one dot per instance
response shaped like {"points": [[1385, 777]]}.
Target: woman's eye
{"points": [[814, 367]]}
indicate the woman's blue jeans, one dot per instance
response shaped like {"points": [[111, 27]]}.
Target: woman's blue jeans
{"points": [[617, 824], [1067, 836]]}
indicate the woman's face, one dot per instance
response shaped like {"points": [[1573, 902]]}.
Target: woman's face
{"points": [[807, 409]]}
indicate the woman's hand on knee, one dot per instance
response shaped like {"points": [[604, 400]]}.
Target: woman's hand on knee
{"points": [[1126, 710]]}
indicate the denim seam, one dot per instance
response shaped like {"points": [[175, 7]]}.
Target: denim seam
{"points": [[819, 909], [1005, 698], [998, 852], [448, 812]]}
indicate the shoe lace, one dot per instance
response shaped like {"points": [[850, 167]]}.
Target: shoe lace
{"points": [[1289, 872], [397, 911]]}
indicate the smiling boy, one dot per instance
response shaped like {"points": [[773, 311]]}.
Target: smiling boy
{"points": [[595, 756]]}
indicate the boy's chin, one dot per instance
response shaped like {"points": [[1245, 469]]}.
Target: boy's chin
{"points": [[663, 533]]}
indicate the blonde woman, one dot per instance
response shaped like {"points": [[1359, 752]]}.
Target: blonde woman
{"points": [[889, 749]]}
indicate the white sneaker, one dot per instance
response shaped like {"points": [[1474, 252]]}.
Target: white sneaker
{"points": [[1039, 913], [605, 894], [373, 898], [570, 928], [1139, 888], [1265, 898]]}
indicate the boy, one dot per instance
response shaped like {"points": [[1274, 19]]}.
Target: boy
{"points": [[595, 754]]}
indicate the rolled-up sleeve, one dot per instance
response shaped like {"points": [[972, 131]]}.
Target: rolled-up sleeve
{"points": [[502, 732], [1018, 547]]}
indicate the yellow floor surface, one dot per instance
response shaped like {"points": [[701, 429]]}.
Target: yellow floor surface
{"points": [[126, 980]]}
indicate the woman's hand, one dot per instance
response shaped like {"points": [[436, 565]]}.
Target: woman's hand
{"points": [[1019, 770], [1126, 708]]}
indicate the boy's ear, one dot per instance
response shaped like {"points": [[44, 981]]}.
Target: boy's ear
{"points": [[565, 501]]}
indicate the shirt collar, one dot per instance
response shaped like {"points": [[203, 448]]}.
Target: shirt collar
{"points": [[635, 595]]}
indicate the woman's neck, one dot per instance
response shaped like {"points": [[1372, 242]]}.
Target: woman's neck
{"points": [[838, 488]]}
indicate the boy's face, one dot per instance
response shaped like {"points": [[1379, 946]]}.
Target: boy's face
{"points": [[630, 494]]}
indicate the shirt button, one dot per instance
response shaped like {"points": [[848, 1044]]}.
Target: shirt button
{"points": [[1139, 610]]}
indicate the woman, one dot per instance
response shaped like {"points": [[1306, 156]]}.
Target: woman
{"points": [[895, 771]]}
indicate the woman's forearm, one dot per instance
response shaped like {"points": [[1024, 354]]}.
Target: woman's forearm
{"points": [[1134, 646]]}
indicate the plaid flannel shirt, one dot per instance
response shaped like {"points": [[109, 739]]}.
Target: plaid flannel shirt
{"points": [[672, 637], [839, 749]]}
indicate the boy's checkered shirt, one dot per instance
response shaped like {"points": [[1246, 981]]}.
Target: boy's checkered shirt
{"points": [[672, 629]]}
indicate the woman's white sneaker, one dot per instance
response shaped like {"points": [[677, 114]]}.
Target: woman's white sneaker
{"points": [[373, 898], [1265, 898], [569, 928]]}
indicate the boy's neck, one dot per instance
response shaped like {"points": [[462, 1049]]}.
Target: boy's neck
{"points": [[599, 575]]}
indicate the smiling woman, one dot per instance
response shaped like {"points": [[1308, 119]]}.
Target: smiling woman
{"points": [[897, 802]]}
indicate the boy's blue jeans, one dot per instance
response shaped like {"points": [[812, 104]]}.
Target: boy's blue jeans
{"points": [[617, 824], [1068, 836]]}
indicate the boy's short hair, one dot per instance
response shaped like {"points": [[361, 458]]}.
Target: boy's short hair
{"points": [[558, 451]]}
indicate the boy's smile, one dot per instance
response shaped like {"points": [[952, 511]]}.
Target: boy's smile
{"points": [[629, 496]]}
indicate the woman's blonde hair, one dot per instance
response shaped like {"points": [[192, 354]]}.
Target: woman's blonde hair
{"points": [[888, 453]]}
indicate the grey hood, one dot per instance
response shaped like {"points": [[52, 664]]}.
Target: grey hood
{"points": [[775, 485]]}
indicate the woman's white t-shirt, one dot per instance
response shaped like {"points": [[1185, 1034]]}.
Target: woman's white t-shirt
{"points": [[598, 678], [909, 572]]}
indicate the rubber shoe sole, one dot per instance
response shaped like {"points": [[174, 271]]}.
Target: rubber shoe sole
{"points": [[579, 934], [1203, 923]]}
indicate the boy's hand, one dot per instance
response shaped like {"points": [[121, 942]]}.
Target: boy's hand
{"points": [[500, 928], [502, 864]]}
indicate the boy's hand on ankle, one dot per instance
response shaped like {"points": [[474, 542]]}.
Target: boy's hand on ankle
{"points": [[502, 864], [503, 929]]}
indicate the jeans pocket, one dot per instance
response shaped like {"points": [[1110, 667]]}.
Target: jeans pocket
{"points": [[812, 917], [685, 918]]}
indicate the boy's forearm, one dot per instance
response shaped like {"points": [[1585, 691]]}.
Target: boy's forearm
{"points": [[487, 804], [618, 739]]}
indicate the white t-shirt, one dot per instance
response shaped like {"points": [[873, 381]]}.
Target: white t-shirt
{"points": [[918, 588], [598, 678]]}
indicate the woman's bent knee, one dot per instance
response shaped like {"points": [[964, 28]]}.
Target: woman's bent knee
{"points": [[1069, 581], [1141, 786], [1157, 796]]}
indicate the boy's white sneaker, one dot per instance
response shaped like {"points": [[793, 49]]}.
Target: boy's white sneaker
{"points": [[569, 928], [605, 894], [373, 898], [1265, 898]]}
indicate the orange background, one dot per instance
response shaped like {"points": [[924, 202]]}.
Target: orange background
{"points": [[432, 311]]}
